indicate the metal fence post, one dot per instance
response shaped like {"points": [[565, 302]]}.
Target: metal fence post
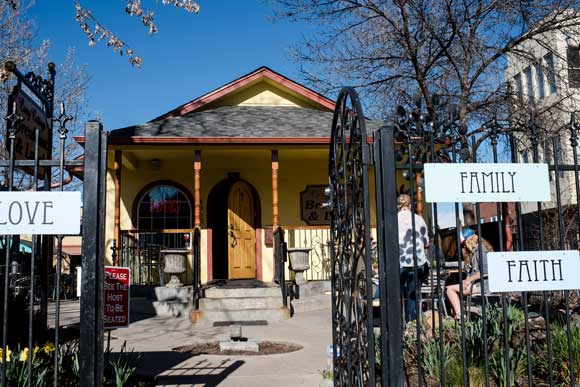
{"points": [[91, 332], [388, 254]]}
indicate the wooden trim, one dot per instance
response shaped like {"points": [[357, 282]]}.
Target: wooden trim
{"points": [[117, 166], [274, 189], [159, 231], [262, 72], [305, 227], [167, 140], [259, 274], [197, 189], [209, 254]]}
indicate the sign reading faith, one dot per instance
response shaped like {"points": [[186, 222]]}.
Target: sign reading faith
{"points": [[311, 206], [33, 117], [117, 284], [512, 182], [50, 213], [517, 271]]}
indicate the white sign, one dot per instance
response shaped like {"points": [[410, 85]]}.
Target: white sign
{"points": [[512, 182], [40, 213], [517, 271]]}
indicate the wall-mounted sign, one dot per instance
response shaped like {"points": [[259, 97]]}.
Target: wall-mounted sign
{"points": [[311, 209], [33, 116], [117, 284], [517, 271], [51, 213], [447, 183]]}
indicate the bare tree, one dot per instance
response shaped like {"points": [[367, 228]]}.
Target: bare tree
{"points": [[439, 50], [16, 44]]}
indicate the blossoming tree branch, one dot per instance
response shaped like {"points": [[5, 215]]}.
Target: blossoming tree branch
{"points": [[97, 32]]}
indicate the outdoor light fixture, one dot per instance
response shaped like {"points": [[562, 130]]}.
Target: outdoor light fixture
{"points": [[155, 165]]}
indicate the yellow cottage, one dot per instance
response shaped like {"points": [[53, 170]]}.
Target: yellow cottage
{"points": [[236, 162]]}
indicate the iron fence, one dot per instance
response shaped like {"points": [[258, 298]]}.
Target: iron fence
{"points": [[28, 280], [436, 323], [318, 241]]}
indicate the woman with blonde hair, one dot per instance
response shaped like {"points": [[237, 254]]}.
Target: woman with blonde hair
{"points": [[473, 256]]}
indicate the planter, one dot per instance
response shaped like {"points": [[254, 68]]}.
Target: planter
{"points": [[174, 264], [299, 262]]}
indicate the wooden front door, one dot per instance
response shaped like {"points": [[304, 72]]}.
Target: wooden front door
{"points": [[241, 232]]}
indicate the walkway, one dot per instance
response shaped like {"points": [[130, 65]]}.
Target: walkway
{"points": [[156, 337]]}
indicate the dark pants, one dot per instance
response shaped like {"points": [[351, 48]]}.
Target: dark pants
{"points": [[409, 291]]}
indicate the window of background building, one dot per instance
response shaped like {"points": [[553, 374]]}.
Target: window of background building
{"points": [[573, 57], [529, 82], [519, 85], [549, 59], [540, 80]]}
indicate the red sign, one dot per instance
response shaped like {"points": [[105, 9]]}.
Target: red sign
{"points": [[117, 283]]}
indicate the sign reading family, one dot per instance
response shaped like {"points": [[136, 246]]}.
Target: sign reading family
{"points": [[52, 213], [525, 271], [510, 182]]}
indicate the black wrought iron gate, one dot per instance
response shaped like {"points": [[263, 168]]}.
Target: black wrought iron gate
{"points": [[412, 324], [31, 164]]}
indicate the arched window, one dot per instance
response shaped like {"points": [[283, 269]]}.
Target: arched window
{"points": [[164, 207]]}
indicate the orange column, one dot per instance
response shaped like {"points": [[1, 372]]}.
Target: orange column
{"points": [[275, 223], [117, 165], [419, 194], [197, 188]]}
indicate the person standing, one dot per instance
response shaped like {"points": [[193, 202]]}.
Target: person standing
{"points": [[413, 244]]}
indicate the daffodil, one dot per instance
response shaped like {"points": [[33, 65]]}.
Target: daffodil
{"points": [[8, 353], [36, 349], [48, 347], [24, 354]]}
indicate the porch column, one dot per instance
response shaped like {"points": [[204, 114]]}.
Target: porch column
{"points": [[117, 165], [275, 207], [274, 189], [197, 188]]}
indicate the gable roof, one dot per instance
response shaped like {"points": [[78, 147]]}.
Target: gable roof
{"points": [[240, 122], [262, 73]]}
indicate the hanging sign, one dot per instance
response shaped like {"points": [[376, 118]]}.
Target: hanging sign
{"points": [[525, 271], [52, 213], [117, 285], [311, 206], [33, 117], [509, 182]]}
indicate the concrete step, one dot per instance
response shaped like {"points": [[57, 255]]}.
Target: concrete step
{"points": [[308, 304], [272, 291], [208, 317], [240, 303]]}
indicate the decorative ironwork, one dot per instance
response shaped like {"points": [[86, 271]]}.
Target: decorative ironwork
{"points": [[353, 338], [42, 85], [62, 120]]}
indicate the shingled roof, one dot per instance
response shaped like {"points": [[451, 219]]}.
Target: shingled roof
{"points": [[241, 121]]}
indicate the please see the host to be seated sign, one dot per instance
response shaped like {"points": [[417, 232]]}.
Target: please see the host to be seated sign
{"points": [[40, 213], [469, 182]]}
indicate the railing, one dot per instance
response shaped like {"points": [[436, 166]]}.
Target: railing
{"points": [[318, 239], [196, 283], [140, 251], [280, 258]]}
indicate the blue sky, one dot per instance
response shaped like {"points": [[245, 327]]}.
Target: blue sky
{"points": [[191, 54]]}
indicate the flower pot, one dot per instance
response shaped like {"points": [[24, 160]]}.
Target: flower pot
{"points": [[299, 262]]}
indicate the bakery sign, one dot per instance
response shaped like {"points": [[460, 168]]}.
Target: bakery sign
{"points": [[312, 210]]}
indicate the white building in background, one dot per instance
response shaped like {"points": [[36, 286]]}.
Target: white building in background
{"points": [[546, 74]]}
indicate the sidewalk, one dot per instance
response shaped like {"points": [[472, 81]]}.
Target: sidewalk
{"points": [[156, 337]]}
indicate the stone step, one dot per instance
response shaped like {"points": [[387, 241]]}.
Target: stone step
{"points": [[240, 303], [308, 304], [272, 291], [208, 317]]}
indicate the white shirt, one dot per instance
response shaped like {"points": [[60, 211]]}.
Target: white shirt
{"points": [[405, 219]]}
